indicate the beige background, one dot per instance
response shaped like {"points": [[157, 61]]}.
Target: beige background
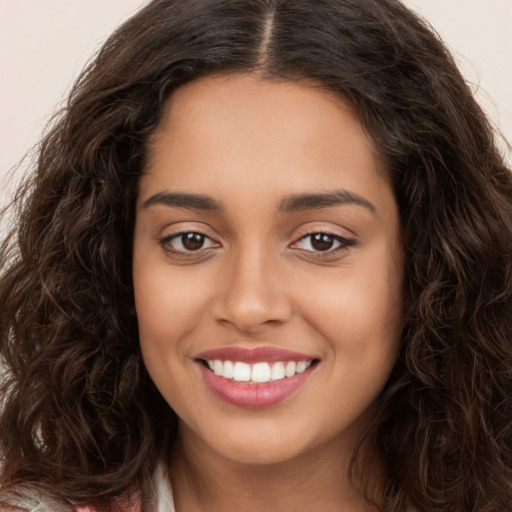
{"points": [[45, 43]]}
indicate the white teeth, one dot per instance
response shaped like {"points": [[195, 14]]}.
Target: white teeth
{"points": [[242, 372], [301, 366], [260, 372], [257, 372], [290, 368], [217, 367], [228, 370], [278, 371]]}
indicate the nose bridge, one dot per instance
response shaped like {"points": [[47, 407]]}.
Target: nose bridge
{"points": [[252, 293]]}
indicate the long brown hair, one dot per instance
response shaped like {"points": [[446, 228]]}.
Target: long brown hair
{"points": [[81, 420]]}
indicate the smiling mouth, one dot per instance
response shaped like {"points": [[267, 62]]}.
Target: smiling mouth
{"points": [[257, 373]]}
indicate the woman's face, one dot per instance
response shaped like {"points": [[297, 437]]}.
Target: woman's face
{"points": [[267, 247]]}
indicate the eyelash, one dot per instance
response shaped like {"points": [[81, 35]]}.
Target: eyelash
{"points": [[344, 243], [180, 253]]}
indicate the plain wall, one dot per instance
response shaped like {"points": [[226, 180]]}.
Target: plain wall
{"points": [[45, 43]]}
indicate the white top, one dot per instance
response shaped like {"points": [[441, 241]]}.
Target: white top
{"points": [[163, 490]]}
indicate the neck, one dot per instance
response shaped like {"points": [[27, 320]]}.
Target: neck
{"points": [[205, 481]]}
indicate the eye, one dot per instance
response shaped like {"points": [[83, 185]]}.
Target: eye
{"points": [[187, 242], [323, 242]]}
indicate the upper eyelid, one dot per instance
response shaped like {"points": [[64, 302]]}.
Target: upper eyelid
{"points": [[170, 231], [323, 232], [324, 226], [348, 236]]}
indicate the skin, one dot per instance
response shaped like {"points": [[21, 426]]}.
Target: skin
{"points": [[258, 280]]}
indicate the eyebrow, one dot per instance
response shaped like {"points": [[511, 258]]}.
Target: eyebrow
{"points": [[183, 200], [303, 202], [293, 203]]}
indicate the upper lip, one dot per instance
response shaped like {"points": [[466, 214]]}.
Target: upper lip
{"points": [[253, 355]]}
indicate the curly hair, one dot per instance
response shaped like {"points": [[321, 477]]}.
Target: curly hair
{"points": [[81, 420]]}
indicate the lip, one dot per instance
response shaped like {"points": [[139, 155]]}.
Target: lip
{"points": [[253, 355], [254, 396]]}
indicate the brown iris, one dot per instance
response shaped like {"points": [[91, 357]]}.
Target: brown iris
{"points": [[192, 241], [322, 241]]}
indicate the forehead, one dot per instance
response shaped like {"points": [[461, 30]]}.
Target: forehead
{"points": [[222, 131], [249, 103]]}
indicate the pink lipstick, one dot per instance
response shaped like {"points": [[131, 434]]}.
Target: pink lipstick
{"points": [[254, 378]]}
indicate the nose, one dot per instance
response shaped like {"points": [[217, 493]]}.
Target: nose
{"points": [[252, 295]]}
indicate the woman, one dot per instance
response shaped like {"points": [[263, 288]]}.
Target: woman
{"points": [[265, 261]]}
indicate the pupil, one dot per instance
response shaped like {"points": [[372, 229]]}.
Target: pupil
{"points": [[322, 242], [192, 241]]}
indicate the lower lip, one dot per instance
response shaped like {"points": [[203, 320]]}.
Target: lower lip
{"points": [[244, 394]]}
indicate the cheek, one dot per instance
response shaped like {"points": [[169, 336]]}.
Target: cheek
{"points": [[360, 319], [169, 304], [359, 312]]}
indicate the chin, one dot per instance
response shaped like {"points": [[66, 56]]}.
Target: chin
{"points": [[256, 455], [262, 443]]}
